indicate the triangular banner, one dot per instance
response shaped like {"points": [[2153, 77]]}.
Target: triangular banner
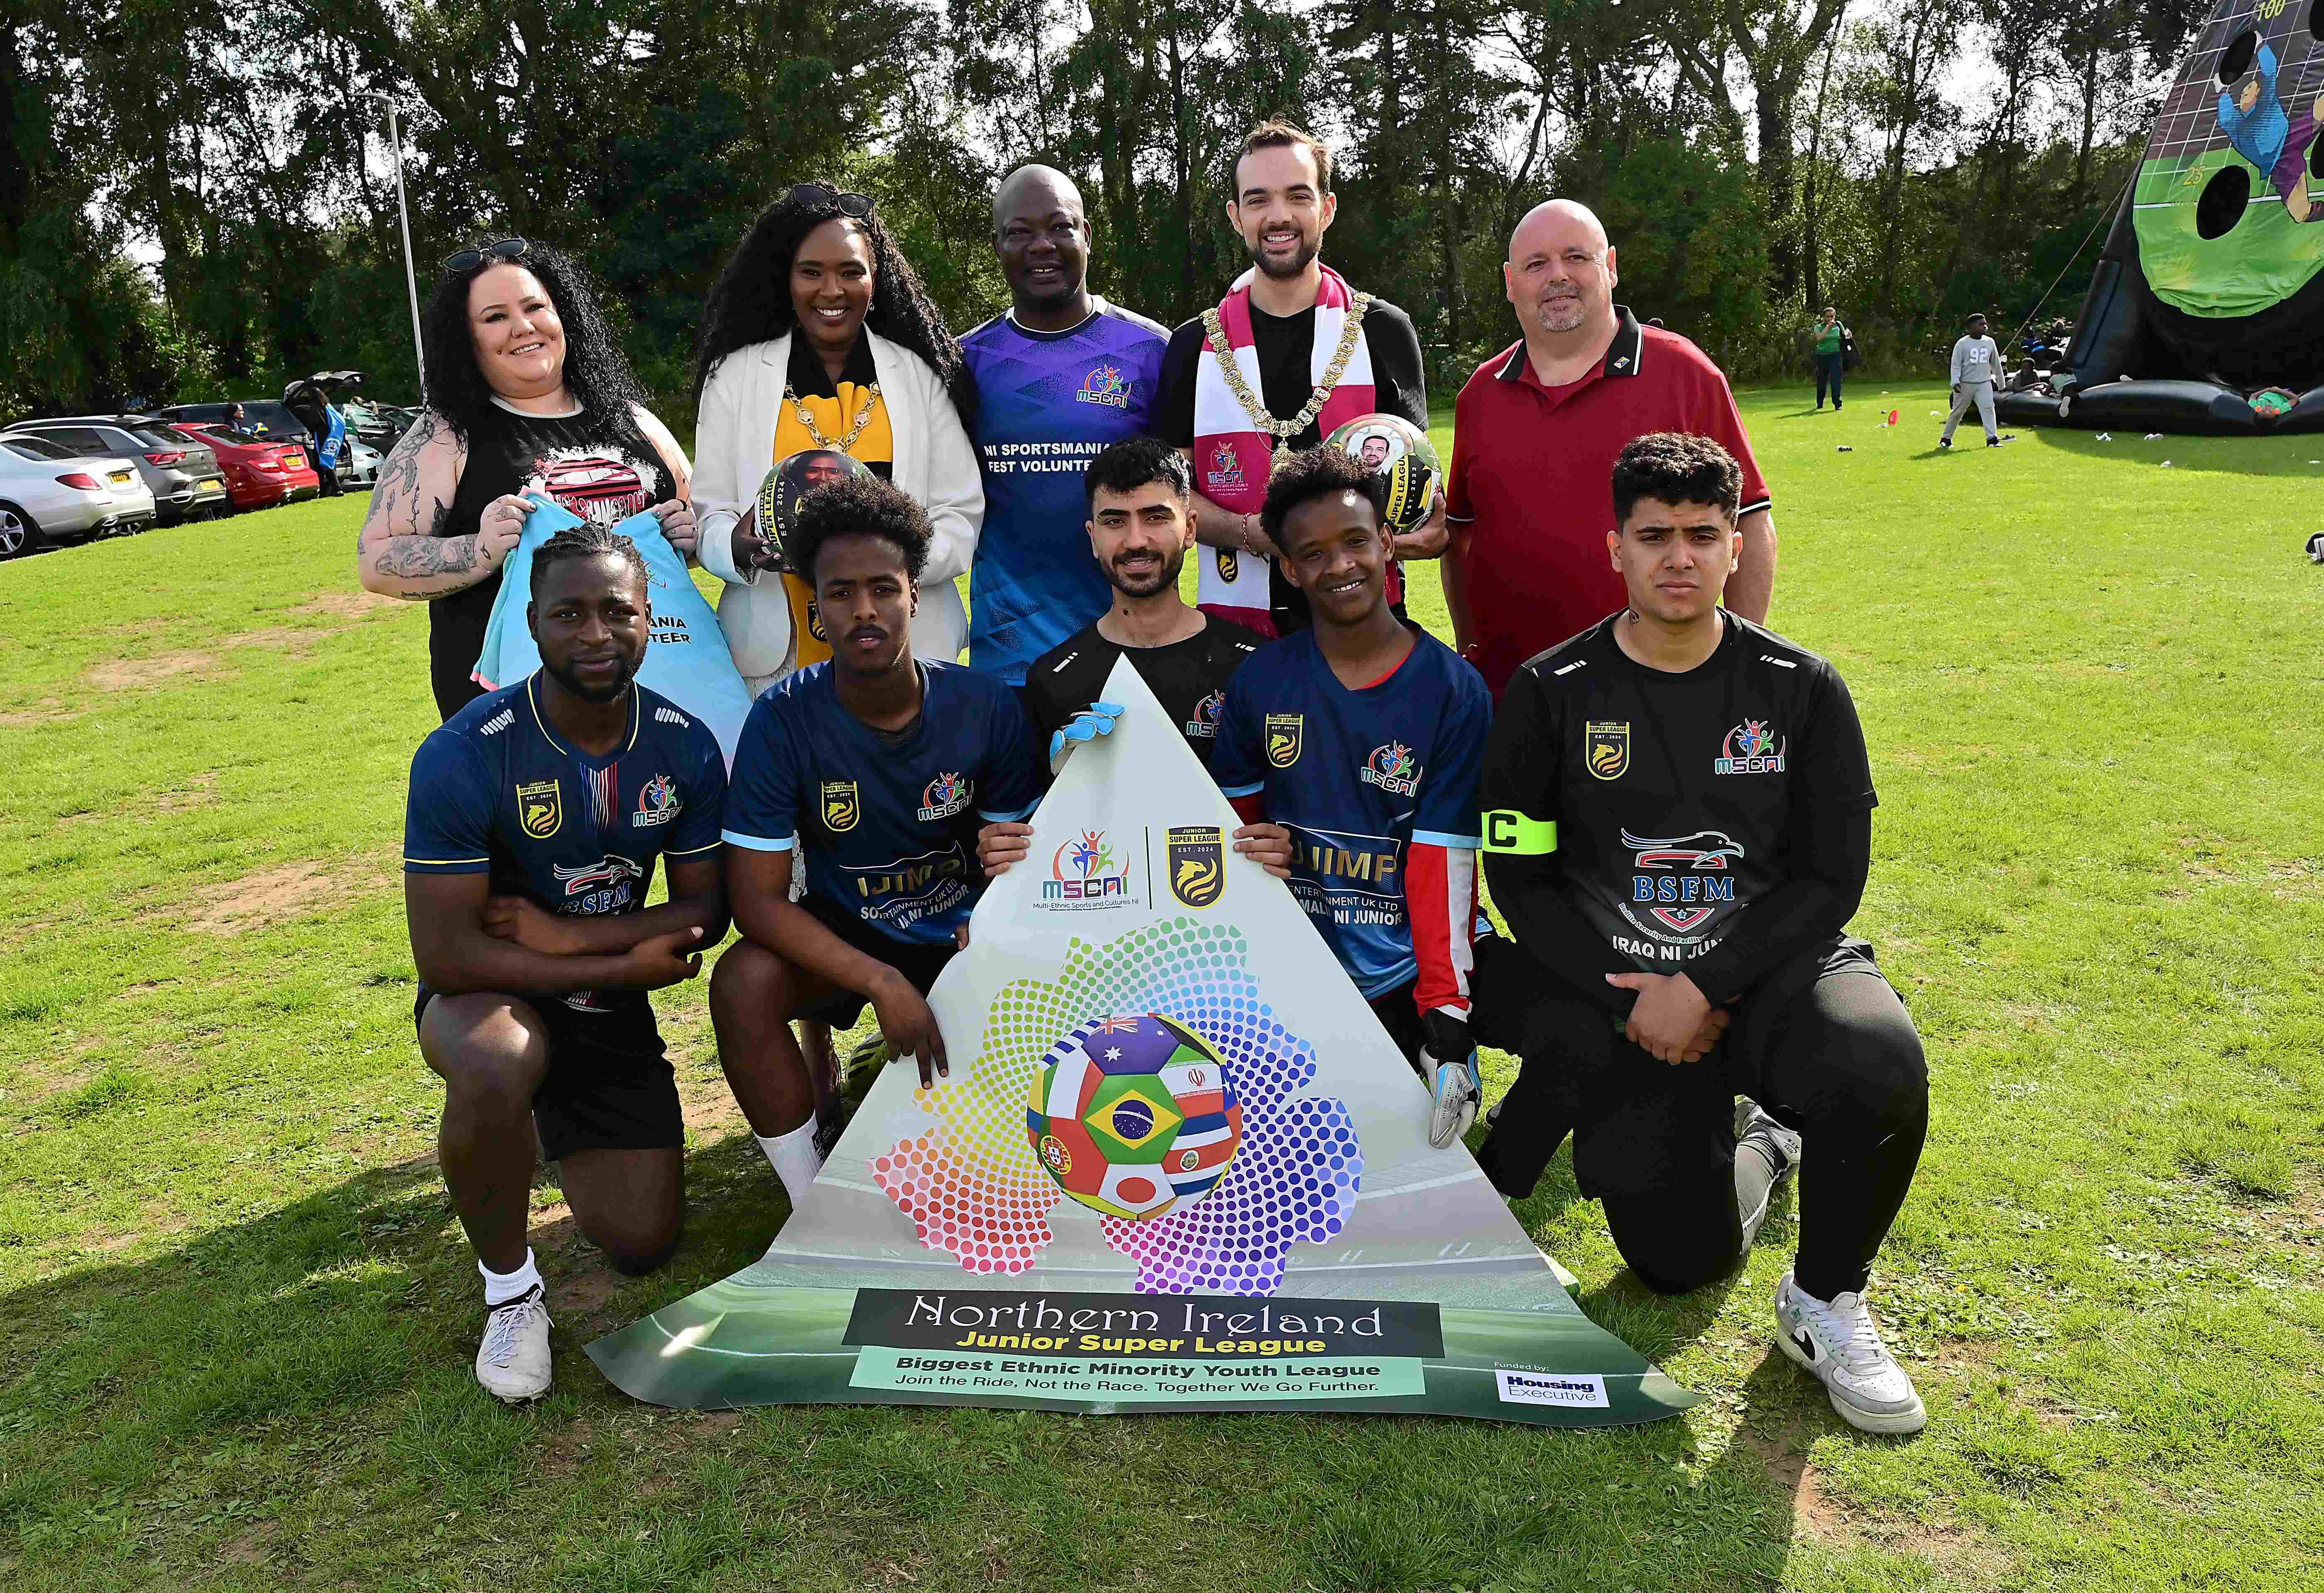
{"points": [[1178, 1164]]}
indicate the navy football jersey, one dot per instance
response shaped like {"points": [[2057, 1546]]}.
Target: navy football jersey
{"points": [[495, 791], [887, 824], [1046, 404], [1358, 776]]}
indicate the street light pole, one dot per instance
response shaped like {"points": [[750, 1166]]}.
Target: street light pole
{"points": [[403, 217]]}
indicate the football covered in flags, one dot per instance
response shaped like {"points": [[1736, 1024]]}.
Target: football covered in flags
{"points": [[1393, 447], [1134, 1115]]}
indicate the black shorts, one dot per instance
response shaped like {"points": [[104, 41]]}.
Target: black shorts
{"points": [[918, 962], [609, 1085]]}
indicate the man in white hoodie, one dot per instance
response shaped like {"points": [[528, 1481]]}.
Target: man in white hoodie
{"points": [[1976, 368]]}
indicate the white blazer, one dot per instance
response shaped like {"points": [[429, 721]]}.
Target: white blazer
{"points": [[734, 447]]}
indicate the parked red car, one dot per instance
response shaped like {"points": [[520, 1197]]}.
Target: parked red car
{"points": [[258, 472]]}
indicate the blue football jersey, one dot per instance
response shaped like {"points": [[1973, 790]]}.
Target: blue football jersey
{"points": [[495, 791], [1047, 403], [1356, 776], [886, 824]]}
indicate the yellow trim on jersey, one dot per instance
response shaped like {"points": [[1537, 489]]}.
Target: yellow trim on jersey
{"points": [[1509, 830]]}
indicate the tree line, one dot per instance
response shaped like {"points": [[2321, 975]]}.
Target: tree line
{"points": [[195, 199]]}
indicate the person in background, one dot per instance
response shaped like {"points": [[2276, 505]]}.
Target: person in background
{"points": [[528, 392], [818, 335], [1830, 355], [1323, 355], [1977, 374], [1536, 433], [1058, 376]]}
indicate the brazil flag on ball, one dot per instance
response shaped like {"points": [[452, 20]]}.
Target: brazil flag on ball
{"points": [[1177, 1164]]}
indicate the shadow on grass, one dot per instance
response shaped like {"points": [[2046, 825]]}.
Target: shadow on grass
{"points": [[131, 1393]]}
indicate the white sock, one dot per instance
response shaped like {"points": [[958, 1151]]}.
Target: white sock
{"points": [[501, 1287], [793, 1157]]}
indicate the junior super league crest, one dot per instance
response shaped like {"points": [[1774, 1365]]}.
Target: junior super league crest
{"points": [[1284, 734], [541, 808], [1606, 748], [841, 806], [1196, 855]]}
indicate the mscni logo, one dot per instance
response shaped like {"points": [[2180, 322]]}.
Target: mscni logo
{"points": [[1105, 385], [1085, 869], [1750, 748]]}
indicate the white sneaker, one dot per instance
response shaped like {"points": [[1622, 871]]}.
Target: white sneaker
{"points": [[1840, 1343], [513, 1362]]}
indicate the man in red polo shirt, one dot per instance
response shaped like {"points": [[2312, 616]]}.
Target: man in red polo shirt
{"points": [[1535, 436]]}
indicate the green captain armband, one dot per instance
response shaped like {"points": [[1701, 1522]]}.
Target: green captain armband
{"points": [[1507, 830]]}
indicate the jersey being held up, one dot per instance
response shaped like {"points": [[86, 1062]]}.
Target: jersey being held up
{"points": [[1188, 678], [495, 791], [1712, 822], [887, 821], [1378, 789], [688, 660], [1047, 403]]}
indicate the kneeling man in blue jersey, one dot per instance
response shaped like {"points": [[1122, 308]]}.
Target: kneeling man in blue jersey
{"points": [[873, 770], [1358, 741], [534, 818], [1678, 825]]}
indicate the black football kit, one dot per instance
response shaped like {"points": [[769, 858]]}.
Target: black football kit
{"points": [[1188, 678], [1715, 823]]}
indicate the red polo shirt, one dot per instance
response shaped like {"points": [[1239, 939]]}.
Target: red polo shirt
{"points": [[1533, 474]]}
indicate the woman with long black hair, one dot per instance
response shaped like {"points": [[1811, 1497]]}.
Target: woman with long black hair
{"points": [[819, 336], [527, 392]]}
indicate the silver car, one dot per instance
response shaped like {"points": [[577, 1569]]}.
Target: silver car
{"points": [[51, 494], [181, 469], [359, 464]]}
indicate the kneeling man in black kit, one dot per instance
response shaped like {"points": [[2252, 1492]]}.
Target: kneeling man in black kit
{"points": [[1677, 825]]}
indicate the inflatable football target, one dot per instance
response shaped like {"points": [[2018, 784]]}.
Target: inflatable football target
{"points": [[2206, 312]]}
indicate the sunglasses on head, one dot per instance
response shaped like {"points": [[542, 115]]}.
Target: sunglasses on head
{"points": [[469, 259], [855, 206]]}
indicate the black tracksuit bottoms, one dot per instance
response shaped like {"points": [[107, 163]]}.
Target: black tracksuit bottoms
{"points": [[1824, 1044]]}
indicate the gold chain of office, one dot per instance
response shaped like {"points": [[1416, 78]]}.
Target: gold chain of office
{"points": [[815, 432], [1230, 368]]}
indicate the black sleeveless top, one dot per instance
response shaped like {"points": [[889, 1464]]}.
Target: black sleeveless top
{"points": [[602, 475]]}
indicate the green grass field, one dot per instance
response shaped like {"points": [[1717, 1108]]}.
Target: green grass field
{"points": [[236, 1316]]}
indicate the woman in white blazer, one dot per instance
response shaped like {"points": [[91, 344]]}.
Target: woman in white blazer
{"points": [[818, 335]]}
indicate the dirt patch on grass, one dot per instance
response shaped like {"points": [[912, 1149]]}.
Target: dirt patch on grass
{"points": [[254, 900], [284, 638], [345, 606], [198, 791], [144, 988], [129, 674], [44, 711], [1961, 1552]]}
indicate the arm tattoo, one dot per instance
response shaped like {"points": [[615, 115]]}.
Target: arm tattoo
{"points": [[400, 472], [442, 517], [428, 556]]}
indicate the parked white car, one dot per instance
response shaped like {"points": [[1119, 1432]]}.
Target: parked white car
{"points": [[363, 462], [50, 494]]}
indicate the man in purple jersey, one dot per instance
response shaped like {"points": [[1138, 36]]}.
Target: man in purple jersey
{"points": [[1060, 376]]}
